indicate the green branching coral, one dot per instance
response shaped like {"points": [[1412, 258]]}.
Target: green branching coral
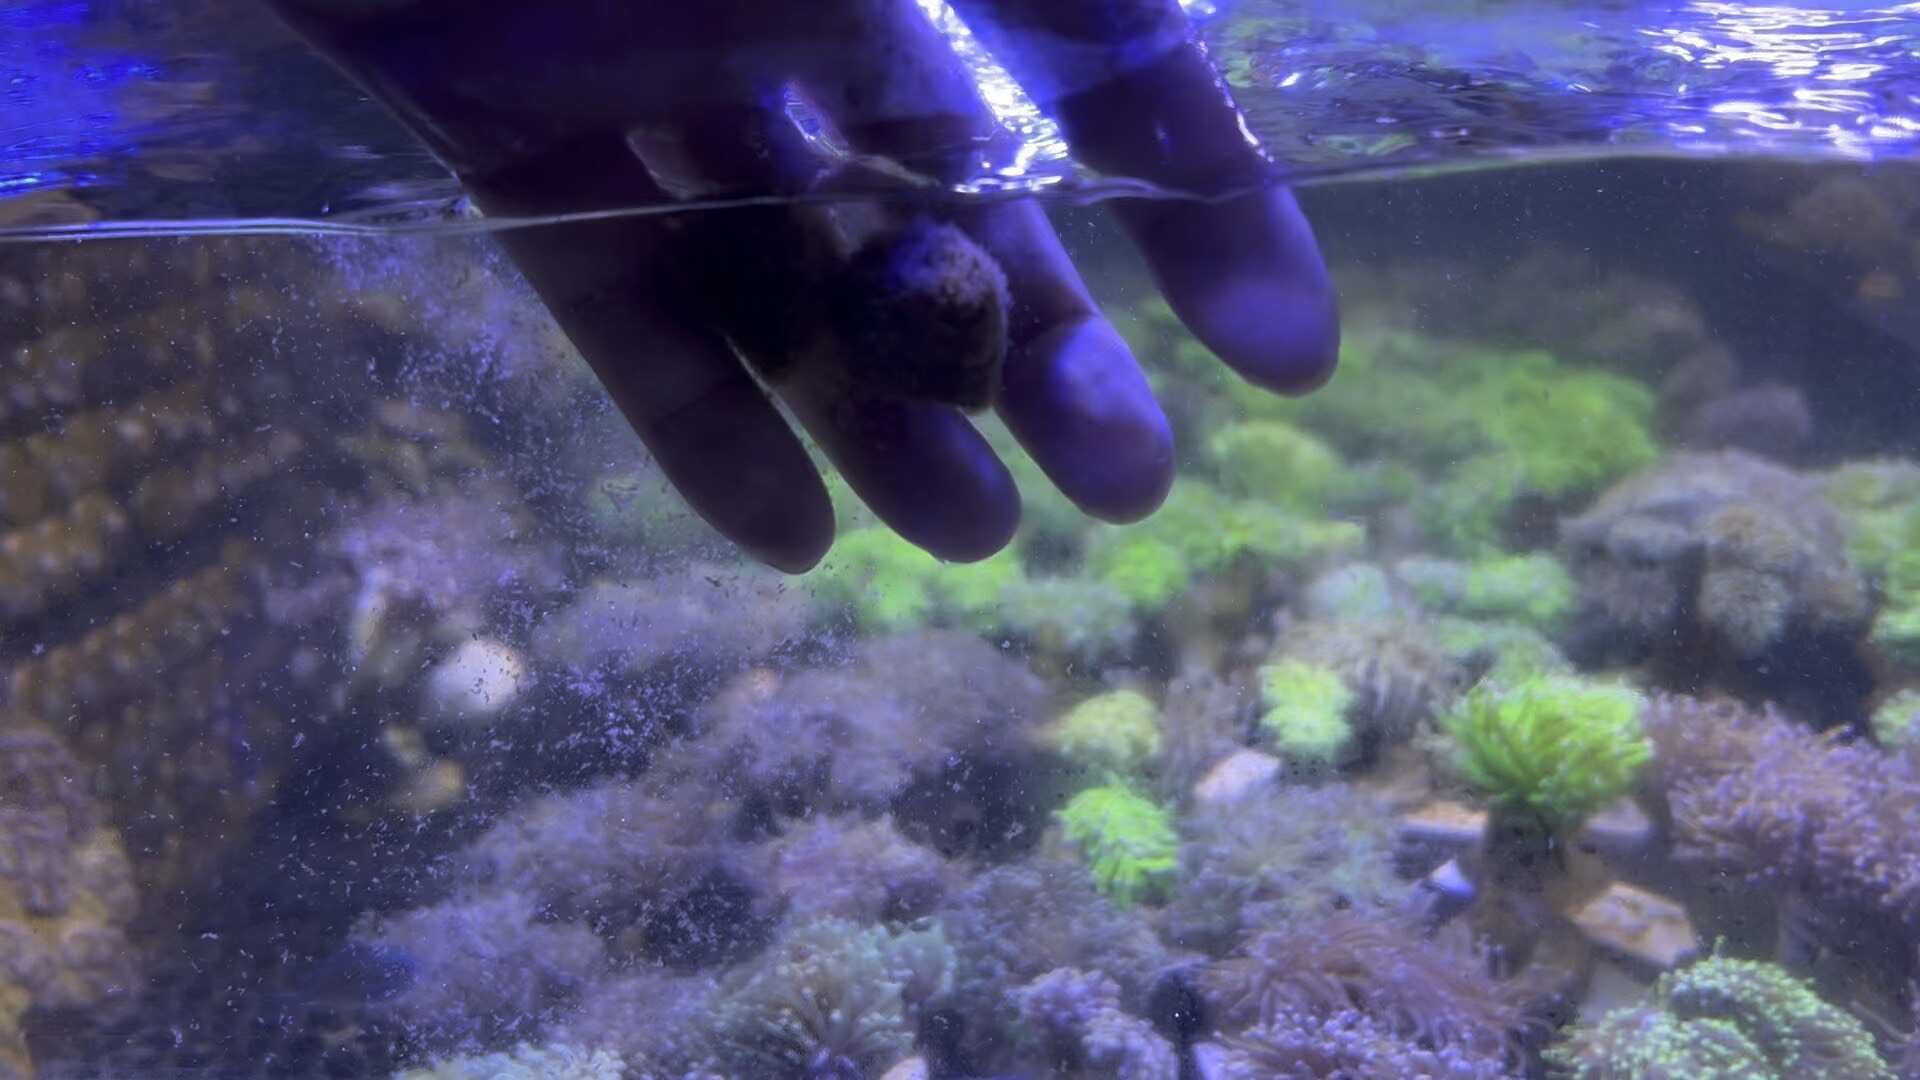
{"points": [[833, 998], [1556, 747], [1531, 589], [1305, 713], [1725, 1018], [1127, 840], [1274, 462], [1116, 733]]}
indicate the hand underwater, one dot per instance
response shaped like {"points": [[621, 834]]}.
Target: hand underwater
{"points": [[611, 104]]}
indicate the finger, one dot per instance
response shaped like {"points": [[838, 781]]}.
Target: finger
{"points": [[1137, 98], [614, 289], [1071, 391]]}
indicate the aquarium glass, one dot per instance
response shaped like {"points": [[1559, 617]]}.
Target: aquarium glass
{"points": [[1540, 697]]}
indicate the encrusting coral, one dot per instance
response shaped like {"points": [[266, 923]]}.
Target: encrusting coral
{"points": [[66, 889], [1724, 1017], [1722, 550]]}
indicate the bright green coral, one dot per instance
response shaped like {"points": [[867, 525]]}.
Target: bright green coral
{"points": [[1274, 462], [1556, 747], [1304, 713], [1115, 733], [1210, 531], [1148, 570], [1127, 840], [1724, 1019]]}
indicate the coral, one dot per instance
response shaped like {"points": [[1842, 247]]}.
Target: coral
{"points": [[1534, 590], [660, 1023], [1398, 675], [831, 998], [1754, 794], [1211, 530], [1116, 733], [1554, 747], [484, 966], [649, 874], [936, 727], [921, 313], [1147, 570], [557, 1061], [1277, 857], [1651, 1044], [849, 868], [1014, 923], [1304, 713], [889, 584], [1077, 1014], [66, 891], [1347, 1045], [1724, 1017], [1726, 543], [1275, 463], [1896, 723], [1352, 592], [1066, 619], [1127, 840], [702, 615], [1434, 991], [1502, 652]]}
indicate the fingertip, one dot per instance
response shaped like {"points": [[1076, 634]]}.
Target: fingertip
{"points": [[1246, 276], [1078, 402]]}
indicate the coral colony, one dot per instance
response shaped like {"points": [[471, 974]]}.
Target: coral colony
{"points": [[1539, 699]]}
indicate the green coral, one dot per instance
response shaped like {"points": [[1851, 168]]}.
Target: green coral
{"points": [[1114, 733], [1127, 840], [889, 584], [1557, 747], [1534, 590], [1722, 1019], [525, 1062], [1897, 721], [1274, 462], [1507, 653], [1304, 713], [1148, 570], [1210, 530], [1067, 618]]}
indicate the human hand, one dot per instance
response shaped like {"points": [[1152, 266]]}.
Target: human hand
{"points": [[613, 104]]}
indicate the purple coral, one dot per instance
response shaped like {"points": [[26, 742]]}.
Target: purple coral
{"points": [[1757, 795], [936, 727], [1346, 1045], [850, 868], [1435, 992], [1281, 855], [1077, 1015], [485, 968]]}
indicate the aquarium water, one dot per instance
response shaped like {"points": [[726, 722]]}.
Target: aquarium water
{"points": [[1538, 698]]}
